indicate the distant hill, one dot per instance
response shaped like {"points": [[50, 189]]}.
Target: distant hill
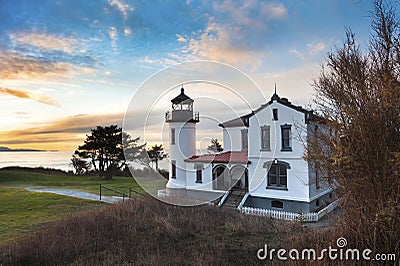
{"points": [[2, 148]]}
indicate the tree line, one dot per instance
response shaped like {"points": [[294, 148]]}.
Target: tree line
{"points": [[106, 151]]}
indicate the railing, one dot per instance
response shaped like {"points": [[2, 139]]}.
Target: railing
{"points": [[101, 188], [194, 117], [168, 116], [135, 191], [122, 194], [243, 201], [224, 197], [291, 216]]}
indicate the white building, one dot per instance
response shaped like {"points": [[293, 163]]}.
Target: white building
{"points": [[262, 164]]}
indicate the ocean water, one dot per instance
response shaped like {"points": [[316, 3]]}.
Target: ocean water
{"points": [[56, 160]]}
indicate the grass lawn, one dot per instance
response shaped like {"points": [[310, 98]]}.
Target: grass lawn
{"points": [[20, 178], [22, 211]]}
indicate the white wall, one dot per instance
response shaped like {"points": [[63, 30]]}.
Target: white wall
{"points": [[233, 138], [207, 177], [297, 183], [184, 147]]}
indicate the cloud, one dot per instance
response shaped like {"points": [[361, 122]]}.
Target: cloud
{"points": [[222, 43], [240, 33], [127, 31], [249, 13], [66, 133], [297, 53], [312, 49], [17, 66], [45, 41], [112, 32], [315, 48], [181, 38], [121, 6], [273, 10], [29, 95]]}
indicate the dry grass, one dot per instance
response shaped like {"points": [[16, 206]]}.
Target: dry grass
{"points": [[147, 232], [144, 231]]}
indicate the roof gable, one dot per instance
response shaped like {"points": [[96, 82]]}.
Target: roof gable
{"points": [[283, 101], [244, 120]]}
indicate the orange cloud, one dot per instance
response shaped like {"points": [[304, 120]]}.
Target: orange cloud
{"points": [[17, 66], [65, 134], [219, 43], [46, 41], [28, 95]]}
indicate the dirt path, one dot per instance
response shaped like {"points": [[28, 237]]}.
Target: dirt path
{"points": [[75, 194]]}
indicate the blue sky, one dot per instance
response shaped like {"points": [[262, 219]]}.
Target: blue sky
{"points": [[66, 66]]}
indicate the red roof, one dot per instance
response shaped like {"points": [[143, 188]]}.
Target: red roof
{"points": [[225, 157]]}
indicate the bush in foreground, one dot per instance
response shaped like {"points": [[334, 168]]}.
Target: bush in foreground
{"points": [[148, 232]]}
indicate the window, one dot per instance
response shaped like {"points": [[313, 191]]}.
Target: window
{"points": [[277, 204], [317, 202], [172, 135], [275, 113], [245, 140], [317, 185], [286, 138], [277, 176], [173, 169], [265, 138], [199, 174]]}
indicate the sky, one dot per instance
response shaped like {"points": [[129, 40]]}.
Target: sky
{"points": [[68, 66]]}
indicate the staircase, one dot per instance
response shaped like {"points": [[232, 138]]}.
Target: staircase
{"points": [[233, 200]]}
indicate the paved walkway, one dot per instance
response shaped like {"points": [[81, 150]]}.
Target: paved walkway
{"points": [[75, 194]]}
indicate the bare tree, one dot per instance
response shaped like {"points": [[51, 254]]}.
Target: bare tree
{"points": [[358, 98]]}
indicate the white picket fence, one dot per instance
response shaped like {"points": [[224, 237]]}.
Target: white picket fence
{"points": [[291, 216]]}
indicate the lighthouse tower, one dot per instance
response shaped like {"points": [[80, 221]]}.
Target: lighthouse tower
{"points": [[182, 138]]}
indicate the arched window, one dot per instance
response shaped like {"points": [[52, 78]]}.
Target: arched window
{"points": [[277, 204], [277, 174], [220, 177]]}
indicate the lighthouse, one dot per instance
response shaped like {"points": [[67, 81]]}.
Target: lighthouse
{"points": [[182, 138]]}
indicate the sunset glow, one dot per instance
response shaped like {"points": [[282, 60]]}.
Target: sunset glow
{"points": [[68, 66]]}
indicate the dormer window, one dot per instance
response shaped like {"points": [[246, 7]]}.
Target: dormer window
{"points": [[172, 136], [173, 169], [265, 138], [286, 132], [275, 114], [245, 140]]}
